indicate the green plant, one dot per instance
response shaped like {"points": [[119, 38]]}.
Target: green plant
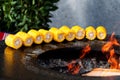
{"points": [[16, 15]]}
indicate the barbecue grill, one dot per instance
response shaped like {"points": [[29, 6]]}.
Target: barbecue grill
{"points": [[30, 63]]}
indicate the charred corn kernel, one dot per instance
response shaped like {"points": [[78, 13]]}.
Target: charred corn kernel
{"points": [[69, 34], [79, 32], [90, 33], [101, 32], [58, 35], [47, 35], [13, 41], [37, 37], [26, 38]]}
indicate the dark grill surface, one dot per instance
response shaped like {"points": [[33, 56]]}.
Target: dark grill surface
{"points": [[22, 64]]}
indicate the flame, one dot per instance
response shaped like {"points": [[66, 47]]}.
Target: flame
{"points": [[113, 41], [112, 60], [85, 51], [74, 66], [108, 47]]}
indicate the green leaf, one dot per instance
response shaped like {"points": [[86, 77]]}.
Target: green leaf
{"points": [[4, 8], [26, 27], [10, 17], [33, 2], [13, 2]]}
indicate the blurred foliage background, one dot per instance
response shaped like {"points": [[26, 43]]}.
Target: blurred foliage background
{"points": [[23, 15]]}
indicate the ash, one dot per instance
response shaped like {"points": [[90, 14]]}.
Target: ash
{"points": [[86, 64]]}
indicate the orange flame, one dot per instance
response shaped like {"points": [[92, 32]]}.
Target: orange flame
{"points": [[74, 66], [114, 40], [85, 51], [108, 47], [114, 64], [110, 43]]}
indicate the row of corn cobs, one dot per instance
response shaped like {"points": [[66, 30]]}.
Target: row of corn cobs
{"points": [[57, 34]]}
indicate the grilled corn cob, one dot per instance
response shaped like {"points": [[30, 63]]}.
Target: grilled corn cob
{"points": [[90, 33], [37, 37], [47, 35], [69, 34], [58, 35], [13, 41], [101, 32], [26, 38], [79, 32]]}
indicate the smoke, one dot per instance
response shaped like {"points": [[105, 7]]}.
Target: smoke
{"points": [[88, 12]]}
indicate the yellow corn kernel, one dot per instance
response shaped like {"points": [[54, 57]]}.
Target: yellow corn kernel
{"points": [[58, 35], [26, 38], [90, 33], [47, 35], [79, 32], [37, 37], [69, 33], [13, 41], [101, 32]]}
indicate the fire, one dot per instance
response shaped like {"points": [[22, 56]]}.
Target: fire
{"points": [[75, 65], [108, 47], [85, 51], [112, 60], [113, 41]]}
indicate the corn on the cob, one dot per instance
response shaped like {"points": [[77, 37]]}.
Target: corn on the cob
{"points": [[26, 38], [47, 35], [69, 33], [101, 32], [13, 41], [37, 37], [79, 32], [90, 33], [58, 35]]}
